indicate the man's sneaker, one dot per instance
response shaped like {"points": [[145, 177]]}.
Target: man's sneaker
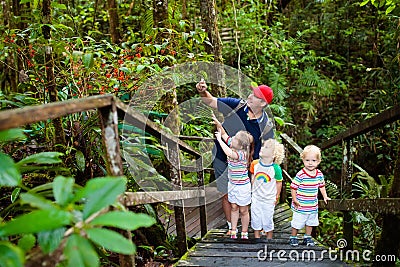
{"points": [[293, 241], [308, 242]]}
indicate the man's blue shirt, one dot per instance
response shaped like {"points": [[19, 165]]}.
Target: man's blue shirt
{"points": [[240, 121]]}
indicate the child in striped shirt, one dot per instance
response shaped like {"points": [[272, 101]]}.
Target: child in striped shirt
{"points": [[304, 189], [238, 150]]}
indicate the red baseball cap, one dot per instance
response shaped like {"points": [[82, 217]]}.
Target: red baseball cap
{"points": [[264, 92]]}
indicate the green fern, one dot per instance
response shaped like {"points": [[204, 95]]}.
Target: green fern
{"points": [[147, 22]]}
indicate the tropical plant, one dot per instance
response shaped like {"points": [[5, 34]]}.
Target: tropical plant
{"points": [[61, 216], [330, 229]]}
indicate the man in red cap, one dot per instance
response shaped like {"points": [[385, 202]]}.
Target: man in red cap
{"points": [[238, 115]]}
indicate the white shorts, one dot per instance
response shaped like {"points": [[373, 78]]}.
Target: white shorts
{"points": [[262, 216], [300, 220], [239, 194]]}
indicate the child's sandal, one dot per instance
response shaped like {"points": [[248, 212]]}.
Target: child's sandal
{"points": [[233, 234], [245, 235]]}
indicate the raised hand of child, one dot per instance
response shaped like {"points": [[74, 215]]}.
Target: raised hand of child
{"points": [[218, 135], [216, 121]]}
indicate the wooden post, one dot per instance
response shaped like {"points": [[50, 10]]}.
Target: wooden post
{"points": [[109, 130], [202, 202], [347, 172], [172, 150], [388, 244]]}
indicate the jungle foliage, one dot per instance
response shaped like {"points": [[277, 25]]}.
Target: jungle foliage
{"points": [[331, 64]]}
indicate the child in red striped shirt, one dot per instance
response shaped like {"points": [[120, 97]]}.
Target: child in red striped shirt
{"points": [[304, 189]]}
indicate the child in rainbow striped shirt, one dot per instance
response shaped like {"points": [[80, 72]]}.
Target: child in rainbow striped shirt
{"points": [[304, 189]]}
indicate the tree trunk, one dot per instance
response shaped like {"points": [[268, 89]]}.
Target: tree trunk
{"points": [[3, 67], [282, 4], [114, 21], [160, 13], [11, 68], [184, 9], [389, 243], [209, 23], [49, 64]]}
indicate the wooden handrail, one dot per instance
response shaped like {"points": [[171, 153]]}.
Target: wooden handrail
{"points": [[383, 118], [379, 205], [14, 118], [138, 198], [141, 121]]}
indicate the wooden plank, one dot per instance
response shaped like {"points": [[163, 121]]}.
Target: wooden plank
{"points": [[380, 205], [253, 262], [216, 248], [214, 215], [138, 198], [383, 118], [22, 116]]}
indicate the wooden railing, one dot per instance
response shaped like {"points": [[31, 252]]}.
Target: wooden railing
{"points": [[345, 139], [110, 109]]}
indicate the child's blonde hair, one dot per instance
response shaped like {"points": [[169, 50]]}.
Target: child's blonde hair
{"points": [[311, 149], [279, 150], [246, 141]]}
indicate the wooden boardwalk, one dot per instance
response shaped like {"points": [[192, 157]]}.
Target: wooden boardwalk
{"points": [[215, 215], [217, 249]]}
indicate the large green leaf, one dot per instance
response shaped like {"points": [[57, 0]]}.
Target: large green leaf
{"points": [[27, 242], [124, 220], [12, 134], [37, 201], [50, 240], [100, 193], [41, 158], [9, 174], [111, 240], [36, 221], [63, 190], [88, 60], [79, 252], [10, 255]]}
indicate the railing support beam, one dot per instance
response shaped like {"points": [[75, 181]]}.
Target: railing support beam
{"points": [[347, 172], [109, 130], [172, 153]]}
